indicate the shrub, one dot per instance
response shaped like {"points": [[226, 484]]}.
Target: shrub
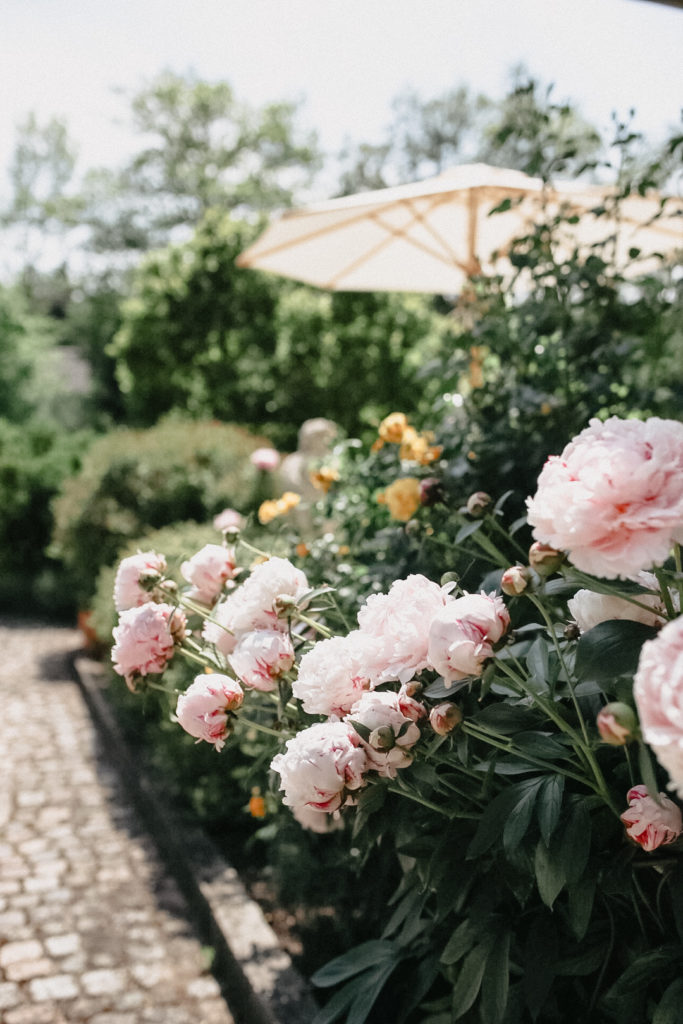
{"points": [[132, 480], [34, 460]]}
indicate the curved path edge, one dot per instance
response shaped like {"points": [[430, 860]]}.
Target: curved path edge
{"points": [[257, 977]]}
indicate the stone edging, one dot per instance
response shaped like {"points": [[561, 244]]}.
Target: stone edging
{"points": [[256, 975]]}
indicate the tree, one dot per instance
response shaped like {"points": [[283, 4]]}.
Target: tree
{"points": [[203, 148]]}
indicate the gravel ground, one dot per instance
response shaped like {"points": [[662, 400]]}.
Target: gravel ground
{"points": [[92, 927]]}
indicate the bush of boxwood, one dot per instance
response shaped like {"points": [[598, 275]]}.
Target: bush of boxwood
{"points": [[135, 480]]}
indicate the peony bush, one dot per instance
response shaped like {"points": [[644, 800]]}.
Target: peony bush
{"points": [[507, 734]]}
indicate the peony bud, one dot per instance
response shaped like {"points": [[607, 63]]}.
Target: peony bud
{"points": [[478, 504], [444, 717], [431, 491], [544, 559], [617, 724], [515, 580], [382, 738]]}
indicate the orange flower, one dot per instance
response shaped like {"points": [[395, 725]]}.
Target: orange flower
{"points": [[393, 427], [268, 511], [302, 549], [324, 477], [257, 805], [377, 445], [403, 498]]}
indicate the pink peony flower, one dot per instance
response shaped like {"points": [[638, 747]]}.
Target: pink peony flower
{"points": [[614, 498], [462, 634], [260, 658], [252, 605], [658, 691], [392, 733], [128, 589], [589, 609], [331, 675], [398, 623], [219, 629], [317, 821], [651, 823], [207, 571], [203, 710], [228, 519], [319, 765], [145, 639], [265, 459]]}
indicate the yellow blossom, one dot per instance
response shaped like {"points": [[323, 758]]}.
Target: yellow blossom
{"points": [[271, 509], [403, 498], [302, 549], [392, 427], [324, 477], [418, 447], [377, 445]]}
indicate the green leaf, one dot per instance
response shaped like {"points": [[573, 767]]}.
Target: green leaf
{"points": [[540, 956], [549, 805], [339, 1003], [580, 899], [358, 959], [550, 876], [669, 1007], [505, 718], [496, 981], [460, 943], [543, 745], [494, 818], [469, 981], [467, 530], [646, 769], [538, 660], [611, 649], [519, 817], [576, 841], [373, 984]]}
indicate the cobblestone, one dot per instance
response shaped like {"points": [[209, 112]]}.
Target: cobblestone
{"points": [[92, 928]]}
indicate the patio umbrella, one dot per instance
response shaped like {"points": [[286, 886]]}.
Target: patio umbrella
{"points": [[432, 235]]}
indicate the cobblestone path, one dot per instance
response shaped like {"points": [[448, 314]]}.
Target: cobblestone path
{"points": [[92, 929]]}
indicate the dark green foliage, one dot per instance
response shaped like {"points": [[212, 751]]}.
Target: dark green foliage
{"points": [[202, 335], [34, 461], [134, 480]]}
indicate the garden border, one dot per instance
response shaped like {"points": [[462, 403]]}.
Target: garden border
{"points": [[257, 978]]}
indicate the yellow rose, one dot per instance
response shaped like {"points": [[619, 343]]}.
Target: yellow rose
{"points": [[323, 478], [392, 427], [403, 498]]}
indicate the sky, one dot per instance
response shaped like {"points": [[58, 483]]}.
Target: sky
{"points": [[343, 59]]}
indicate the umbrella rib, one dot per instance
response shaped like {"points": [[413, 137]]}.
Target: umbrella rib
{"points": [[394, 232]]}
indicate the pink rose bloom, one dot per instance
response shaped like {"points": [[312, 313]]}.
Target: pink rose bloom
{"points": [[387, 748], [266, 459], [589, 609], [331, 675], [462, 634], [614, 498], [228, 519], [145, 639], [252, 605], [398, 623], [208, 571], [319, 765], [260, 658], [128, 591], [651, 823], [203, 710], [658, 692]]}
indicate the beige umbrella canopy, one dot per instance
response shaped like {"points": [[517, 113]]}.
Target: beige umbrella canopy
{"points": [[432, 235]]}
